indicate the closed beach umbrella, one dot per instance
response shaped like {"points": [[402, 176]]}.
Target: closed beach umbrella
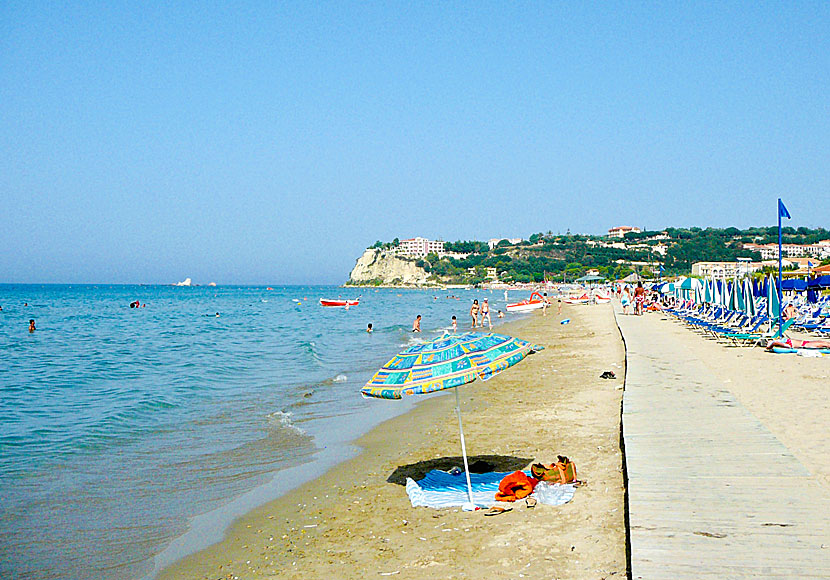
{"points": [[445, 363], [698, 295], [738, 303], [707, 292], [772, 299], [725, 297], [749, 297], [716, 293]]}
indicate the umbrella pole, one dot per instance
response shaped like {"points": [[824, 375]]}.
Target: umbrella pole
{"points": [[471, 505]]}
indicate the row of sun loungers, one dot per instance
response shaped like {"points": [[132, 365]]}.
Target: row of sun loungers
{"points": [[727, 326]]}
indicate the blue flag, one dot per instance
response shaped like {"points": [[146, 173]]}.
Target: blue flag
{"points": [[782, 210]]}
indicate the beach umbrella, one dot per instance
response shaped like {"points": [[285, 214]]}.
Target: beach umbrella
{"points": [[749, 297], [716, 293], [738, 303], [447, 363], [725, 296], [698, 295], [772, 299], [707, 292]]}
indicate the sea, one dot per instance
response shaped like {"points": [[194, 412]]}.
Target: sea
{"points": [[132, 437]]}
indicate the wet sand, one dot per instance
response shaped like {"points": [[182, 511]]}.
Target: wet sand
{"points": [[356, 520]]}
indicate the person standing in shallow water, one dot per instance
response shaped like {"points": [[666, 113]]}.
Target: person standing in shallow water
{"points": [[474, 313], [416, 326], [32, 325], [485, 313]]}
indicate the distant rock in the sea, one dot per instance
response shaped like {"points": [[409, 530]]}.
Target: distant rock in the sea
{"points": [[187, 282]]}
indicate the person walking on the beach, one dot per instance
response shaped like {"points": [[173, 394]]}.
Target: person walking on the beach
{"points": [[625, 300], [32, 325], [639, 298], [416, 326], [454, 324], [474, 313], [485, 313]]}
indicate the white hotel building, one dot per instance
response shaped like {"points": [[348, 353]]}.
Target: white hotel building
{"points": [[820, 250], [420, 247]]}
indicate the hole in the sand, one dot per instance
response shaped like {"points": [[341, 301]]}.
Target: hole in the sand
{"points": [[478, 464]]}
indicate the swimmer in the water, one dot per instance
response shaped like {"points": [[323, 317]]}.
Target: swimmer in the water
{"points": [[369, 328], [454, 324], [416, 326], [32, 325]]}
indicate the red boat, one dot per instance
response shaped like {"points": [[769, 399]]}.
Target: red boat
{"points": [[339, 303], [535, 301]]}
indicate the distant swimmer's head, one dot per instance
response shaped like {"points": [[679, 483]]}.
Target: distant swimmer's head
{"points": [[217, 314], [453, 317], [369, 328]]}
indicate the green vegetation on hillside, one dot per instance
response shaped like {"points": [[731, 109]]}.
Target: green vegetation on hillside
{"points": [[569, 256]]}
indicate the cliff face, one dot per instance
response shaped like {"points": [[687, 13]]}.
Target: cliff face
{"points": [[379, 267]]}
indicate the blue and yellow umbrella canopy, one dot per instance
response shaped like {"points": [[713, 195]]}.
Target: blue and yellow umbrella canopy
{"points": [[446, 362]]}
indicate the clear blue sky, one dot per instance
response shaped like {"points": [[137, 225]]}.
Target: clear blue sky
{"points": [[272, 142]]}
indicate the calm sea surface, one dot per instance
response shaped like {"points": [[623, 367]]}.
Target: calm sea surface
{"points": [[126, 430]]}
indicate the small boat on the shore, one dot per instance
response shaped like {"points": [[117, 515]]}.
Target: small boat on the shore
{"points": [[339, 303], [535, 301], [584, 299]]}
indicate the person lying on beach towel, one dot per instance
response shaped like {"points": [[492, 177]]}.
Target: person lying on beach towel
{"points": [[790, 343]]}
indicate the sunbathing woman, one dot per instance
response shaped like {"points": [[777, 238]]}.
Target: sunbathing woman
{"points": [[790, 343]]}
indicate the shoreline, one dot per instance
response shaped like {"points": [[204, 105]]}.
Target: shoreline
{"points": [[352, 520], [333, 448]]}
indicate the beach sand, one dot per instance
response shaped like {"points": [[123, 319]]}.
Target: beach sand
{"points": [[785, 392], [356, 520]]}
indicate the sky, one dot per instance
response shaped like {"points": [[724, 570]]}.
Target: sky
{"points": [[272, 142]]}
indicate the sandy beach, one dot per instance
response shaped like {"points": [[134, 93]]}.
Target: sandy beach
{"points": [[356, 520]]}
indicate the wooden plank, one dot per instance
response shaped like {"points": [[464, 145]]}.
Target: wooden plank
{"points": [[706, 496]]}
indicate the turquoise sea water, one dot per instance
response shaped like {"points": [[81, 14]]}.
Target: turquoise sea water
{"points": [[122, 425]]}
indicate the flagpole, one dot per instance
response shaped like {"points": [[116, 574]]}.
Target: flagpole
{"points": [[780, 294]]}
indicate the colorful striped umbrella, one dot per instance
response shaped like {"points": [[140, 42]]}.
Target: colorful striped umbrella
{"points": [[445, 363]]}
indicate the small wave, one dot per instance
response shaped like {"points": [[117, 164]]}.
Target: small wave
{"points": [[413, 341], [341, 378], [283, 419]]}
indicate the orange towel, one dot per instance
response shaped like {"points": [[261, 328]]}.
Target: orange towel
{"points": [[515, 486]]}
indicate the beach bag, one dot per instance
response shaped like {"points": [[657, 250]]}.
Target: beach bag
{"points": [[563, 471]]}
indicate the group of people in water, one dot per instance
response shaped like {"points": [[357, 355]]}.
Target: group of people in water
{"points": [[479, 313]]}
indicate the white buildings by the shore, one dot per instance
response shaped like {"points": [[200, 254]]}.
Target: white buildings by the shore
{"points": [[820, 250]]}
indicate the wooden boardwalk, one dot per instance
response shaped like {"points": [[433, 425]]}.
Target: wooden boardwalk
{"points": [[711, 492]]}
